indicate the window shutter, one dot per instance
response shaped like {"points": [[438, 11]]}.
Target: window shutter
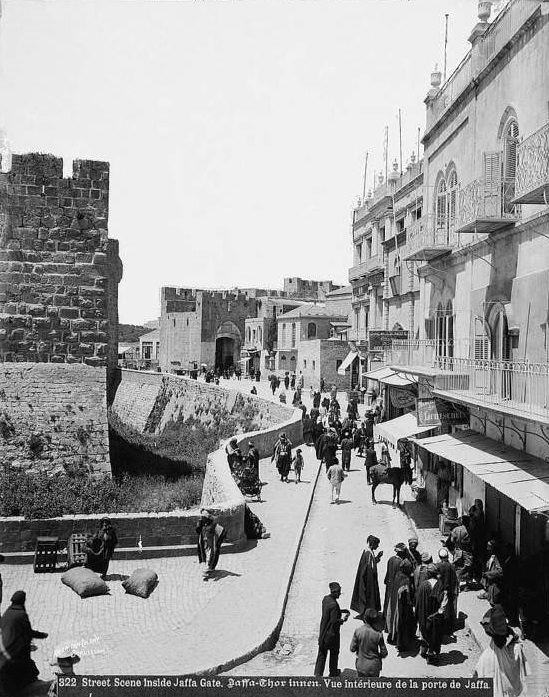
{"points": [[492, 168]]}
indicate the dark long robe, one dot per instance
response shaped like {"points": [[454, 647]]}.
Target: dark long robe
{"points": [[330, 623], [17, 669], [100, 550], [393, 567], [320, 445], [366, 590], [217, 539], [431, 625], [448, 578], [283, 457], [402, 627]]}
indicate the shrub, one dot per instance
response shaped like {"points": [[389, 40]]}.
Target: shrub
{"points": [[43, 496]]}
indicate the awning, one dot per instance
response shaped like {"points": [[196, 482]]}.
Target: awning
{"points": [[347, 362], [388, 376], [401, 427], [518, 475]]}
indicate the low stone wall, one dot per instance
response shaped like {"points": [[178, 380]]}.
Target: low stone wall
{"points": [[53, 416]]}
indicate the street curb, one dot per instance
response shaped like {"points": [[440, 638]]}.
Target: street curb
{"points": [[414, 529], [272, 637]]}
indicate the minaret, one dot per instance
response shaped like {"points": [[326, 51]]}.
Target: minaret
{"points": [[4, 144]]}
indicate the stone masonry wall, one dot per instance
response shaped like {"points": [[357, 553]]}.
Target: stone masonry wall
{"points": [[147, 401], [53, 417], [57, 268]]}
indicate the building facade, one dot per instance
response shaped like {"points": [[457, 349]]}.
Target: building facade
{"points": [[478, 350]]}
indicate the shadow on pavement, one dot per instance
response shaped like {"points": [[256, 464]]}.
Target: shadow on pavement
{"points": [[453, 657], [217, 575]]}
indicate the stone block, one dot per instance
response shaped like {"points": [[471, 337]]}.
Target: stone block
{"points": [[69, 313], [57, 359], [95, 361], [36, 310]]}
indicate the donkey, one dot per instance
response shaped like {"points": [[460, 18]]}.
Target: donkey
{"points": [[379, 474]]}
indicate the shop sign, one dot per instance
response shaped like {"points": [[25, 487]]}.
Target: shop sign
{"points": [[432, 411], [402, 399], [382, 340]]}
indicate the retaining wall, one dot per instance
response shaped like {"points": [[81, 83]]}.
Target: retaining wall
{"points": [[220, 493]]}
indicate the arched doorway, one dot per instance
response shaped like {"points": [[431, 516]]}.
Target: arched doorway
{"points": [[227, 346]]}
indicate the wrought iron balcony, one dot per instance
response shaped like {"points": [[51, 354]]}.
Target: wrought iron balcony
{"points": [[372, 264], [486, 206], [425, 240], [532, 182]]}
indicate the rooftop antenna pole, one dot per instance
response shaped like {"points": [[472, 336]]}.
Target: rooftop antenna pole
{"points": [[418, 141], [400, 138], [364, 180], [386, 153], [445, 46]]}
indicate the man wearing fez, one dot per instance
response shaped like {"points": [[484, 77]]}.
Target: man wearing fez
{"points": [[329, 636]]}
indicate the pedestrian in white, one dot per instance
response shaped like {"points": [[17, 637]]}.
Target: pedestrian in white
{"points": [[336, 475]]}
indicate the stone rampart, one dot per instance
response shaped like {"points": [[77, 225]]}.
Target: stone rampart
{"points": [[53, 417], [59, 272], [148, 401]]}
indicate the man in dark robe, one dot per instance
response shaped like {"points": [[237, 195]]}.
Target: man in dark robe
{"points": [[316, 400], [463, 557], [100, 548], [402, 626], [329, 635], [412, 553], [366, 590], [421, 572], [431, 604], [210, 538], [346, 450], [253, 457], [282, 456], [17, 669], [406, 462], [370, 459], [450, 584], [393, 566], [477, 533]]}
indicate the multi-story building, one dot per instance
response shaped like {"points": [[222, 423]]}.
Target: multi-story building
{"points": [[209, 328], [482, 256], [385, 285]]}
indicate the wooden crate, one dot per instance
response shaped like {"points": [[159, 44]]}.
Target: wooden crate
{"points": [[76, 549], [45, 554]]}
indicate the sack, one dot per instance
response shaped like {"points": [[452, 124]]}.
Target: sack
{"points": [[142, 582], [84, 582]]}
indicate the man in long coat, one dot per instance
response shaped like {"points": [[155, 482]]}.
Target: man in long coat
{"points": [[366, 590], [329, 635], [253, 457], [17, 669], [431, 602], [393, 567], [402, 622], [210, 538], [282, 456]]}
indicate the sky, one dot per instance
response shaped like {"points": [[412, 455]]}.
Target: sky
{"points": [[236, 130]]}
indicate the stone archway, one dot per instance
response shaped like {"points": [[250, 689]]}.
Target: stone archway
{"points": [[228, 341]]}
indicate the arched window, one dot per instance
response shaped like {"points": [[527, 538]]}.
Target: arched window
{"points": [[441, 205], [311, 330], [293, 334], [283, 359], [510, 143], [452, 197]]}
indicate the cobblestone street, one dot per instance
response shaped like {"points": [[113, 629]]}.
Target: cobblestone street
{"points": [[332, 545]]}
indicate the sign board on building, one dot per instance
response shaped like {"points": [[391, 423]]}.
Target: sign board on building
{"points": [[432, 411], [376, 279], [402, 399], [382, 340]]}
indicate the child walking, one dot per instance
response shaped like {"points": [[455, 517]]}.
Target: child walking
{"points": [[298, 464]]}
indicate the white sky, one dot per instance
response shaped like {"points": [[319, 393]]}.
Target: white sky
{"points": [[236, 130]]}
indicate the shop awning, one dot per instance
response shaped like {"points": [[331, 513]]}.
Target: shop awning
{"points": [[401, 427], [388, 376], [349, 358], [518, 475]]}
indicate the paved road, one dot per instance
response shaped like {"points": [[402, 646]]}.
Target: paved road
{"points": [[332, 545]]}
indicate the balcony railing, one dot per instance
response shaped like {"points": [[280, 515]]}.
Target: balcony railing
{"points": [[425, 240], [498, 34], [450, 91], [427, 353], [357, 335], [532, 182], [486, 206], [374, 263], [518, 387]]}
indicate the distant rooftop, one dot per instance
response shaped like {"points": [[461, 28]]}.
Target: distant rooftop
{"points": [[312, 310]]}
